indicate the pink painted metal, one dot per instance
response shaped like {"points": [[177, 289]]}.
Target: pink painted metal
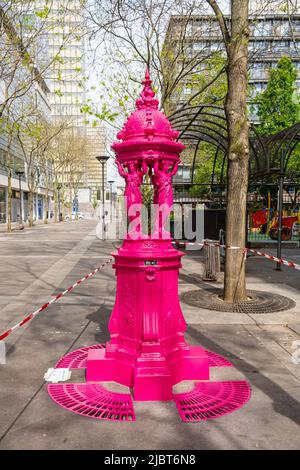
{"points": [[211, 400], [77, 358], [147, 350], [216, 360]]}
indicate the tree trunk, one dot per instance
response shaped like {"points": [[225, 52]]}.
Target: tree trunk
{"points": [[238, 153], [75, 198], [71, 205], [30, 203], [46, 211], [55, 204], [62, 196], [9, 197]]}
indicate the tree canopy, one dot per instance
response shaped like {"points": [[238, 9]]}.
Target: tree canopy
{"points": [[278, 105]]}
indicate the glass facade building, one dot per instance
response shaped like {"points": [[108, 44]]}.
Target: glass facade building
{"points": [[66, 38], [30, 103]]}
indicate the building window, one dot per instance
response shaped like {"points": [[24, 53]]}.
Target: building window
{"points": [[281, 28], [189, 29], [296, 26], [258, 70], [261, 28], [187, 90], [281, 46], [199, 46], [259, 88], [253, 112]]}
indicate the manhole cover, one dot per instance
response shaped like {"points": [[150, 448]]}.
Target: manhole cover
{"points": [[260, 302]]}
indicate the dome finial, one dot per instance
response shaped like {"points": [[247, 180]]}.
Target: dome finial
{"points": [[147, 99]]}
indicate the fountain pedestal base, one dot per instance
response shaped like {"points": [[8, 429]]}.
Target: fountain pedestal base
{"points": [[151, 377], [147, 351]]}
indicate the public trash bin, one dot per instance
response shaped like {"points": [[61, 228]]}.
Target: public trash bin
{"points": [[212, 260]]}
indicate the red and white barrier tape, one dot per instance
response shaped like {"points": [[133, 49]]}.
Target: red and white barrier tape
{"points": [[178, 243], [46, 305], [29, 317], [291, 264]]}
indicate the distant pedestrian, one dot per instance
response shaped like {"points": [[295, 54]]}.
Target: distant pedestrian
{"points": [[105, 224]]}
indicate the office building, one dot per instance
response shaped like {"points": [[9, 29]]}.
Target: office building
{"points": [[273, 33], [66, 37], [18, 74]]}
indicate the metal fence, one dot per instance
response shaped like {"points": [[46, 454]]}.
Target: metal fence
{"points": [[262, 207]]}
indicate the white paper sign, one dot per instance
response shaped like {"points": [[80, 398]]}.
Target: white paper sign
{"points": [[57, 375]]}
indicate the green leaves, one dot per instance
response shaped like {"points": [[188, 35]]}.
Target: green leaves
{"points": [[278, 105], [58, 92], [205, 169], [86, 109], [43, 14], [279, 108]]}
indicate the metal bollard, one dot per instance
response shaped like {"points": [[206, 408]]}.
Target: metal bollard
{"points": [[212, 266], [2, 352]]}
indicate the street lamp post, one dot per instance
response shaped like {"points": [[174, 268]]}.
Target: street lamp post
{"points": [[279, 209], [102, 159], [59, 186], [20, 173], [111, 183]]}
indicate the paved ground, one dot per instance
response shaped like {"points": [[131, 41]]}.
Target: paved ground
{"points": [[36, 264]]}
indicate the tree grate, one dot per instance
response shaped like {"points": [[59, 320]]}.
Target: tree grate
{"points": [[77, 359], [210, 400], [93, 401], [259, 301], [216, 360]]}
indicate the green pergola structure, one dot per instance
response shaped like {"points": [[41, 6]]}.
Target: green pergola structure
{"points": [[269, 155]]}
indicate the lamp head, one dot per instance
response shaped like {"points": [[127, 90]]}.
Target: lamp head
{"points": [[102, 158]]}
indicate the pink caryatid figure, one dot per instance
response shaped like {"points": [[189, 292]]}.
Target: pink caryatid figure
{"points": [[163, 193], [133, 196]]}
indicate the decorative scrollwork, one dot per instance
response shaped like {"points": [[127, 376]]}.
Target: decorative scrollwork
{"points": [[150, 274]]}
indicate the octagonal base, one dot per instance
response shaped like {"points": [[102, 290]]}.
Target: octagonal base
{"points": [[153, 375]]}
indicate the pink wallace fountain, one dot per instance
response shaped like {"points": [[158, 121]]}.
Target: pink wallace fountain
{"points": [[147, 351]]}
